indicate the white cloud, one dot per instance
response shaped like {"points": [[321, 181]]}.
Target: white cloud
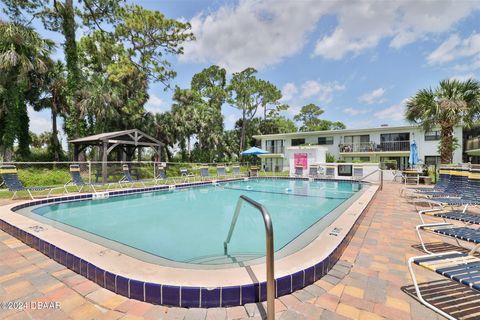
{"points": [[395, 112], [456, 48], [39, 121], [361, 25], [263, 33], [354, 111], [376, 96], [322, 91], [154, 104], [289, 90], [252, 33], [463, 77]]}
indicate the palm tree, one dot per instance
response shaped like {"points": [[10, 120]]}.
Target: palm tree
{"points": [[24, 57], [55, 99], [451, 104]]}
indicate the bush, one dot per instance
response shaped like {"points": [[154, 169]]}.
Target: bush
{"points": [[389, 165], [329, 158], [43, 177]]}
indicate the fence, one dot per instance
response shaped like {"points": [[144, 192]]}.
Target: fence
{"points": [[49, 174]]}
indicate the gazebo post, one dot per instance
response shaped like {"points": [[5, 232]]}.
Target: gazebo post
{"points": [[104, 161], [75, 152]]}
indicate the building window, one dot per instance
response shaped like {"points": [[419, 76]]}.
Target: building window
{"points": [[432, 160], [297, 142], [432, 135], [325, 140], [389, 137]]}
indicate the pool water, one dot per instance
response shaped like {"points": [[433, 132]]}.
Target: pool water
{"points": [[190, 225]]}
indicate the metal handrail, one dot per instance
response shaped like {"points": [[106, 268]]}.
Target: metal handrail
{"points": [[269, 244], [368, 175]]}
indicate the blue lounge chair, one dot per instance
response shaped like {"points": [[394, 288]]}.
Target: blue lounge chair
{"points": [[10, 178], [440, 186], [204, 173], [467, 184], [186, 174], [162, 177], [460, 267], [221, 172], [77, 180], [456, 184], [127, 178]]}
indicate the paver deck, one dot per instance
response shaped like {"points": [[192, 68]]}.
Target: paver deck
{"points": [[370, 281]]}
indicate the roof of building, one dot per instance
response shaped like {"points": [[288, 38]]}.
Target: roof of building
{"points": [[132, 136]]}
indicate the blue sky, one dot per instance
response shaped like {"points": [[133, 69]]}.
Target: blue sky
{"points": [[359, 61]]}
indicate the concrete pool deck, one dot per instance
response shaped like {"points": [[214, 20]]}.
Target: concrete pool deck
{"points": [[370, 281]]}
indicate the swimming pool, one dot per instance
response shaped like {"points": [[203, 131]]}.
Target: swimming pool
{"points": [[313, 223], [189, 226]]}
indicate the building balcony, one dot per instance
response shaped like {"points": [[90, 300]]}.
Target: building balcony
{"points": [[275, 149], [372, 147]]}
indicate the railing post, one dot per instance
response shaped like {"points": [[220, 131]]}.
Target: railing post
{"points": [[89, 172], [381, 179], [269, 249]]}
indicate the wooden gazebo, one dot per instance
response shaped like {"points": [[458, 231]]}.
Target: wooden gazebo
{"points": [[128, 141]]}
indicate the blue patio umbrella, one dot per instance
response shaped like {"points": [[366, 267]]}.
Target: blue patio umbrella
{"points": [[413, 159], [254, 151]]}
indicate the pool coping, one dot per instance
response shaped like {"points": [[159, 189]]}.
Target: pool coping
{"points": [[204, 288]]}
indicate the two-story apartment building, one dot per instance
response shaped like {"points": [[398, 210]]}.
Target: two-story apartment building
{"points": [[366, 145]]}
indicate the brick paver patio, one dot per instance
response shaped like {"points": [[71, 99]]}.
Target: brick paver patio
{"points": [[371, 280]]}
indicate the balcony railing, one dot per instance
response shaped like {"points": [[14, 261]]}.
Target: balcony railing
{"points": [[385, 146], [473, 144], [274, 149]]}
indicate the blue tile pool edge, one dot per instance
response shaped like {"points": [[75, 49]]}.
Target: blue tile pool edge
{"points": [[179, 296]]}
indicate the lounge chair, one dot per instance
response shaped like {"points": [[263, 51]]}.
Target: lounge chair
{"points": [[236, 171], [440, 186], [357, 173], [161, 177], [460, 267], [313, 171], [77, 180], [469, 190], [298, 171], [329, 172], [186, 174], [456, 185], [449, 230], [221, 172], [10, 178], [254, 171], [127, 178], [204, 173]]}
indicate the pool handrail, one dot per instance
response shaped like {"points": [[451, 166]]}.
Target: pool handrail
{"points": [[269, 248]]}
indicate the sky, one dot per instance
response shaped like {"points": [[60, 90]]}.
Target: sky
{"points": [[359, 61]]}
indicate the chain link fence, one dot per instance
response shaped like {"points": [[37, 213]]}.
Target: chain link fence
{"points": [[52, 174]]}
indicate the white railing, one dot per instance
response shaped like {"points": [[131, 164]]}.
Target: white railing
{"points": [[385, 146]]}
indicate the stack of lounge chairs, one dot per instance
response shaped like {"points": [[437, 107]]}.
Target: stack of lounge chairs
{"points": [[458, 189]]}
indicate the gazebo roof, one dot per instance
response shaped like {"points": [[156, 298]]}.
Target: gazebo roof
{"points": [[126, 137]]}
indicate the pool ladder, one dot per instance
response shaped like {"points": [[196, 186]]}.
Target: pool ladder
{"points": [[269, 246]]}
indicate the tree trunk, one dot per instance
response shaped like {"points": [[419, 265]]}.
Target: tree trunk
{"points": [[446, 144], [242, 135], [55, 142]]}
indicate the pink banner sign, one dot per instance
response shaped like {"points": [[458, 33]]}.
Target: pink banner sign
{"points": [[300, 159]]}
